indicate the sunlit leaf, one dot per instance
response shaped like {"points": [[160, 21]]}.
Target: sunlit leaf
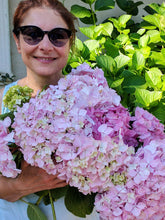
{"points": [[138, 60], [154, 36], [146, 98], [143, 41], [107, 63], [153, 78], [80, 12], [121, 61], [153, 19]]}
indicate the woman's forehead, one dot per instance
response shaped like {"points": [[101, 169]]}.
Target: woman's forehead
{"points": [[44, 17]]}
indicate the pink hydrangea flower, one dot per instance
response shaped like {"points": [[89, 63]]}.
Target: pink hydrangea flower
{"points": [[75, 128], [147, 126], [7, 164], [143, 194]]}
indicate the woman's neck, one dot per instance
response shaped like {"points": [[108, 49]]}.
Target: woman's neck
{"points": [[38, 83]]}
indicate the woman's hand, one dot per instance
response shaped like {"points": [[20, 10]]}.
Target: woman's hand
{"points": [[31, 180]]}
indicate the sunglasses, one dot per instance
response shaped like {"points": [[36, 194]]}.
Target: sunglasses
{"points": [[32, 35]]}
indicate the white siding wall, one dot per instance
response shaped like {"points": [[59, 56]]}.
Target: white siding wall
{"points": [[5, 62], [17, 66]]}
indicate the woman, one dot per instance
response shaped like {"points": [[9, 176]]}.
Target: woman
{"points": [[44, 32]]}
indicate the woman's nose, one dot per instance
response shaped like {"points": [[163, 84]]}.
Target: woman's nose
{"points": [[45, 44]]}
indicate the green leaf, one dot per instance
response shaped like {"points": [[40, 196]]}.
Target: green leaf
{"points": [[93, 32], [153, 78], [120, 23], [163, 51], [162, 35], [134, 37], [154, 36], [101, 5], [121, 61], [145, 98], [88, 31], [80, 12], [145, 51], [89, 20], [131, 82], [92, 44], [146, 25], [143, 41], [79, 44], [78, 203], [88, 1], [104, 29], [138, 61], [163, 84], [153, 19], [107, 28], [123, 19], [122, 4], [149, 10], [85, 53], [122, 39], [158, 58], [160, 9], [75, 64], [107, 63], [158, 111], [141, 31], [111, 49], [129, 6], [56, 194], [116, 83], [34, 212]]}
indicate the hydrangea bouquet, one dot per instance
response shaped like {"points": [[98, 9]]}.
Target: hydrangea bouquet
{"points": [[80, 130]]}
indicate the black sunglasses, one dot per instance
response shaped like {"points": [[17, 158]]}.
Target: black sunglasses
{"points": [[32, 35]]}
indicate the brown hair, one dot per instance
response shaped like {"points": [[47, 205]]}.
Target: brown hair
{"points": [[25, 5]]}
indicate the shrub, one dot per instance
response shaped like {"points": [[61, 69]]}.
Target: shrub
{"points": [[132, 55]]}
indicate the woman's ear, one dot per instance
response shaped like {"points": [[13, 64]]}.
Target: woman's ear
{"points": [[17, 42]]}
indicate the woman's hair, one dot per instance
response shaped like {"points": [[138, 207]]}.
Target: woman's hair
{"points": [[25, 5]]}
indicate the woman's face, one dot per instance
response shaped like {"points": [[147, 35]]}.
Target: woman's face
{"points": [[43, 59]]}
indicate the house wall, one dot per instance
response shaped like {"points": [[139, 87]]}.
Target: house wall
{"points": [[17, 66]]}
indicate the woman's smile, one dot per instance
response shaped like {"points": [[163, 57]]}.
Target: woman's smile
{"points": [[45, 60]]}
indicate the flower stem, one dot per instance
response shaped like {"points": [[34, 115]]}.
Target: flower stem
{"points": [[24, 201], [39, 200], [52, 205]]}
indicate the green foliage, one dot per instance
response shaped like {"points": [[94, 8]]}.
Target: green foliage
{"points": [[6, 78], [132, 55], [77, 203]]}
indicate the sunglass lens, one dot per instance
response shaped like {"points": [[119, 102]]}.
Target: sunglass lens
{"points": [[59, 36], [32, 35]]}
